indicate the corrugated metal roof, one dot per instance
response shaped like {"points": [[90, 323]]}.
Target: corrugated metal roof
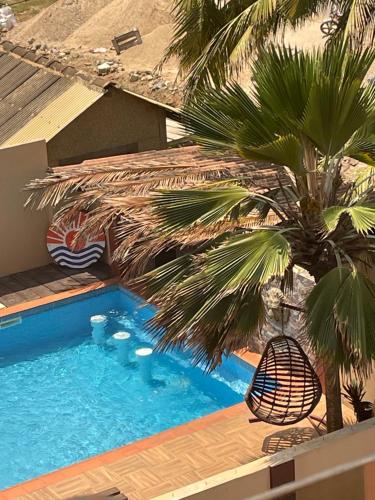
{"points": [[28, 90], [20, 74], [175, 131], [18, 98], [25, 89], [61, 111], [34, 101], [7, 64]]}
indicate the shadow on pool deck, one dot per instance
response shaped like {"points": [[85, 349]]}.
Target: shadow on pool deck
{"points": [[284, 439]]}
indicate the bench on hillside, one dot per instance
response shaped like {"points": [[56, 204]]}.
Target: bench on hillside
{"points": [[127, 40]]}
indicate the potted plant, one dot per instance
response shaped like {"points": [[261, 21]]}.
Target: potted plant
{"points": [[354, 393]]}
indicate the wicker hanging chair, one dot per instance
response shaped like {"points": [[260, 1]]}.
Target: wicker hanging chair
{"points": [[285, 388]]}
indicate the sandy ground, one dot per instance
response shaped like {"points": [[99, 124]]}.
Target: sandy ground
{"points": [[120, 16], [87, 24], [58, 21], [78, 26]]}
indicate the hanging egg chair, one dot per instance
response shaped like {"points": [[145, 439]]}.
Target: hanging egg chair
{"points": [[285, 388]]}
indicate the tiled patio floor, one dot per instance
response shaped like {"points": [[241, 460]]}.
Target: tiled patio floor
{"points": [[172, 459], [48, 280]]}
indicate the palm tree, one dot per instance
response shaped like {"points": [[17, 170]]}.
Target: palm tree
{"points": [[213, 39], [307, 112]]}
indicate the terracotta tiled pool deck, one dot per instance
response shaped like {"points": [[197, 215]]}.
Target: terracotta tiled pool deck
{"points": [[169, 460]]}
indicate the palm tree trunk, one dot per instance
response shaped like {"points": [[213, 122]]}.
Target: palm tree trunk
{"points": [[333, 398], [332, 384]]}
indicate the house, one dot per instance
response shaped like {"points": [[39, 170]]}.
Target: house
{"points": [[79, 117]]}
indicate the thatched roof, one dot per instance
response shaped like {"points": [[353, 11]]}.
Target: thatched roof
{"points": [[119, 188], [176, 162]]}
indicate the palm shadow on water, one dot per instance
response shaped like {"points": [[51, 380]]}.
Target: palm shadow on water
{"points": [[156, 383]]}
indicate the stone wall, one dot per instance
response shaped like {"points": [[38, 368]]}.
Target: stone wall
{"points": [[302, 284]]}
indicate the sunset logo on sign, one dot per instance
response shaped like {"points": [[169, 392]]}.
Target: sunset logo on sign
{"points": [[66, 251]]}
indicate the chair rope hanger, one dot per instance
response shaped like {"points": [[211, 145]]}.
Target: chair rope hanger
{"points": [[330, 25], [285, 388]]}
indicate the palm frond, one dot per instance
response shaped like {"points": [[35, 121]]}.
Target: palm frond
{"points": [[140, 238], [214, 40], [128, 177], [246, 29], [356, 22], [254, 258], [283, 78], [339, 103], [218, 308], [361, 145], [229, 118], [215, 117], [196, 23], [340, 316], [165, 276], [297, 12], [285, 150], [362, 217], [179, 209], [208, 326], [363, 185]]}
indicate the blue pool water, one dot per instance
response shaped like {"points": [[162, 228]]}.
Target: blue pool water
{"points": [[63, 398]]}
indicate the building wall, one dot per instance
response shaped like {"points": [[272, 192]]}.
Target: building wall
{"points": [[370, 381], [22, 231], [117, 123]]}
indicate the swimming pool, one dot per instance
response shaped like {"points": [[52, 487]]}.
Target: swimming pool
{"points": [[64, 398]]}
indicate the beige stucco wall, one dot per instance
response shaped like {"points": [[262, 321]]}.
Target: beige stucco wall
{"points": [[22, 231], [370, 386], [347, 486], [117, 123], [351, 443]]}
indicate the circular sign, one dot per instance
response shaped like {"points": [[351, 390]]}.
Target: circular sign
{"points": [[67, 252]]}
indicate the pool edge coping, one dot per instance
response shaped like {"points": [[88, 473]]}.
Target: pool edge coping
{"points": [[57, 297], [45, 480]]}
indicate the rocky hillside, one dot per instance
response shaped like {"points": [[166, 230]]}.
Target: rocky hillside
{"points": [[80, 32]]}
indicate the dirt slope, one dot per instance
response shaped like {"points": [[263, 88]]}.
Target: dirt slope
{"points": [[58, 21], [83, 25], [120, 16]]}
